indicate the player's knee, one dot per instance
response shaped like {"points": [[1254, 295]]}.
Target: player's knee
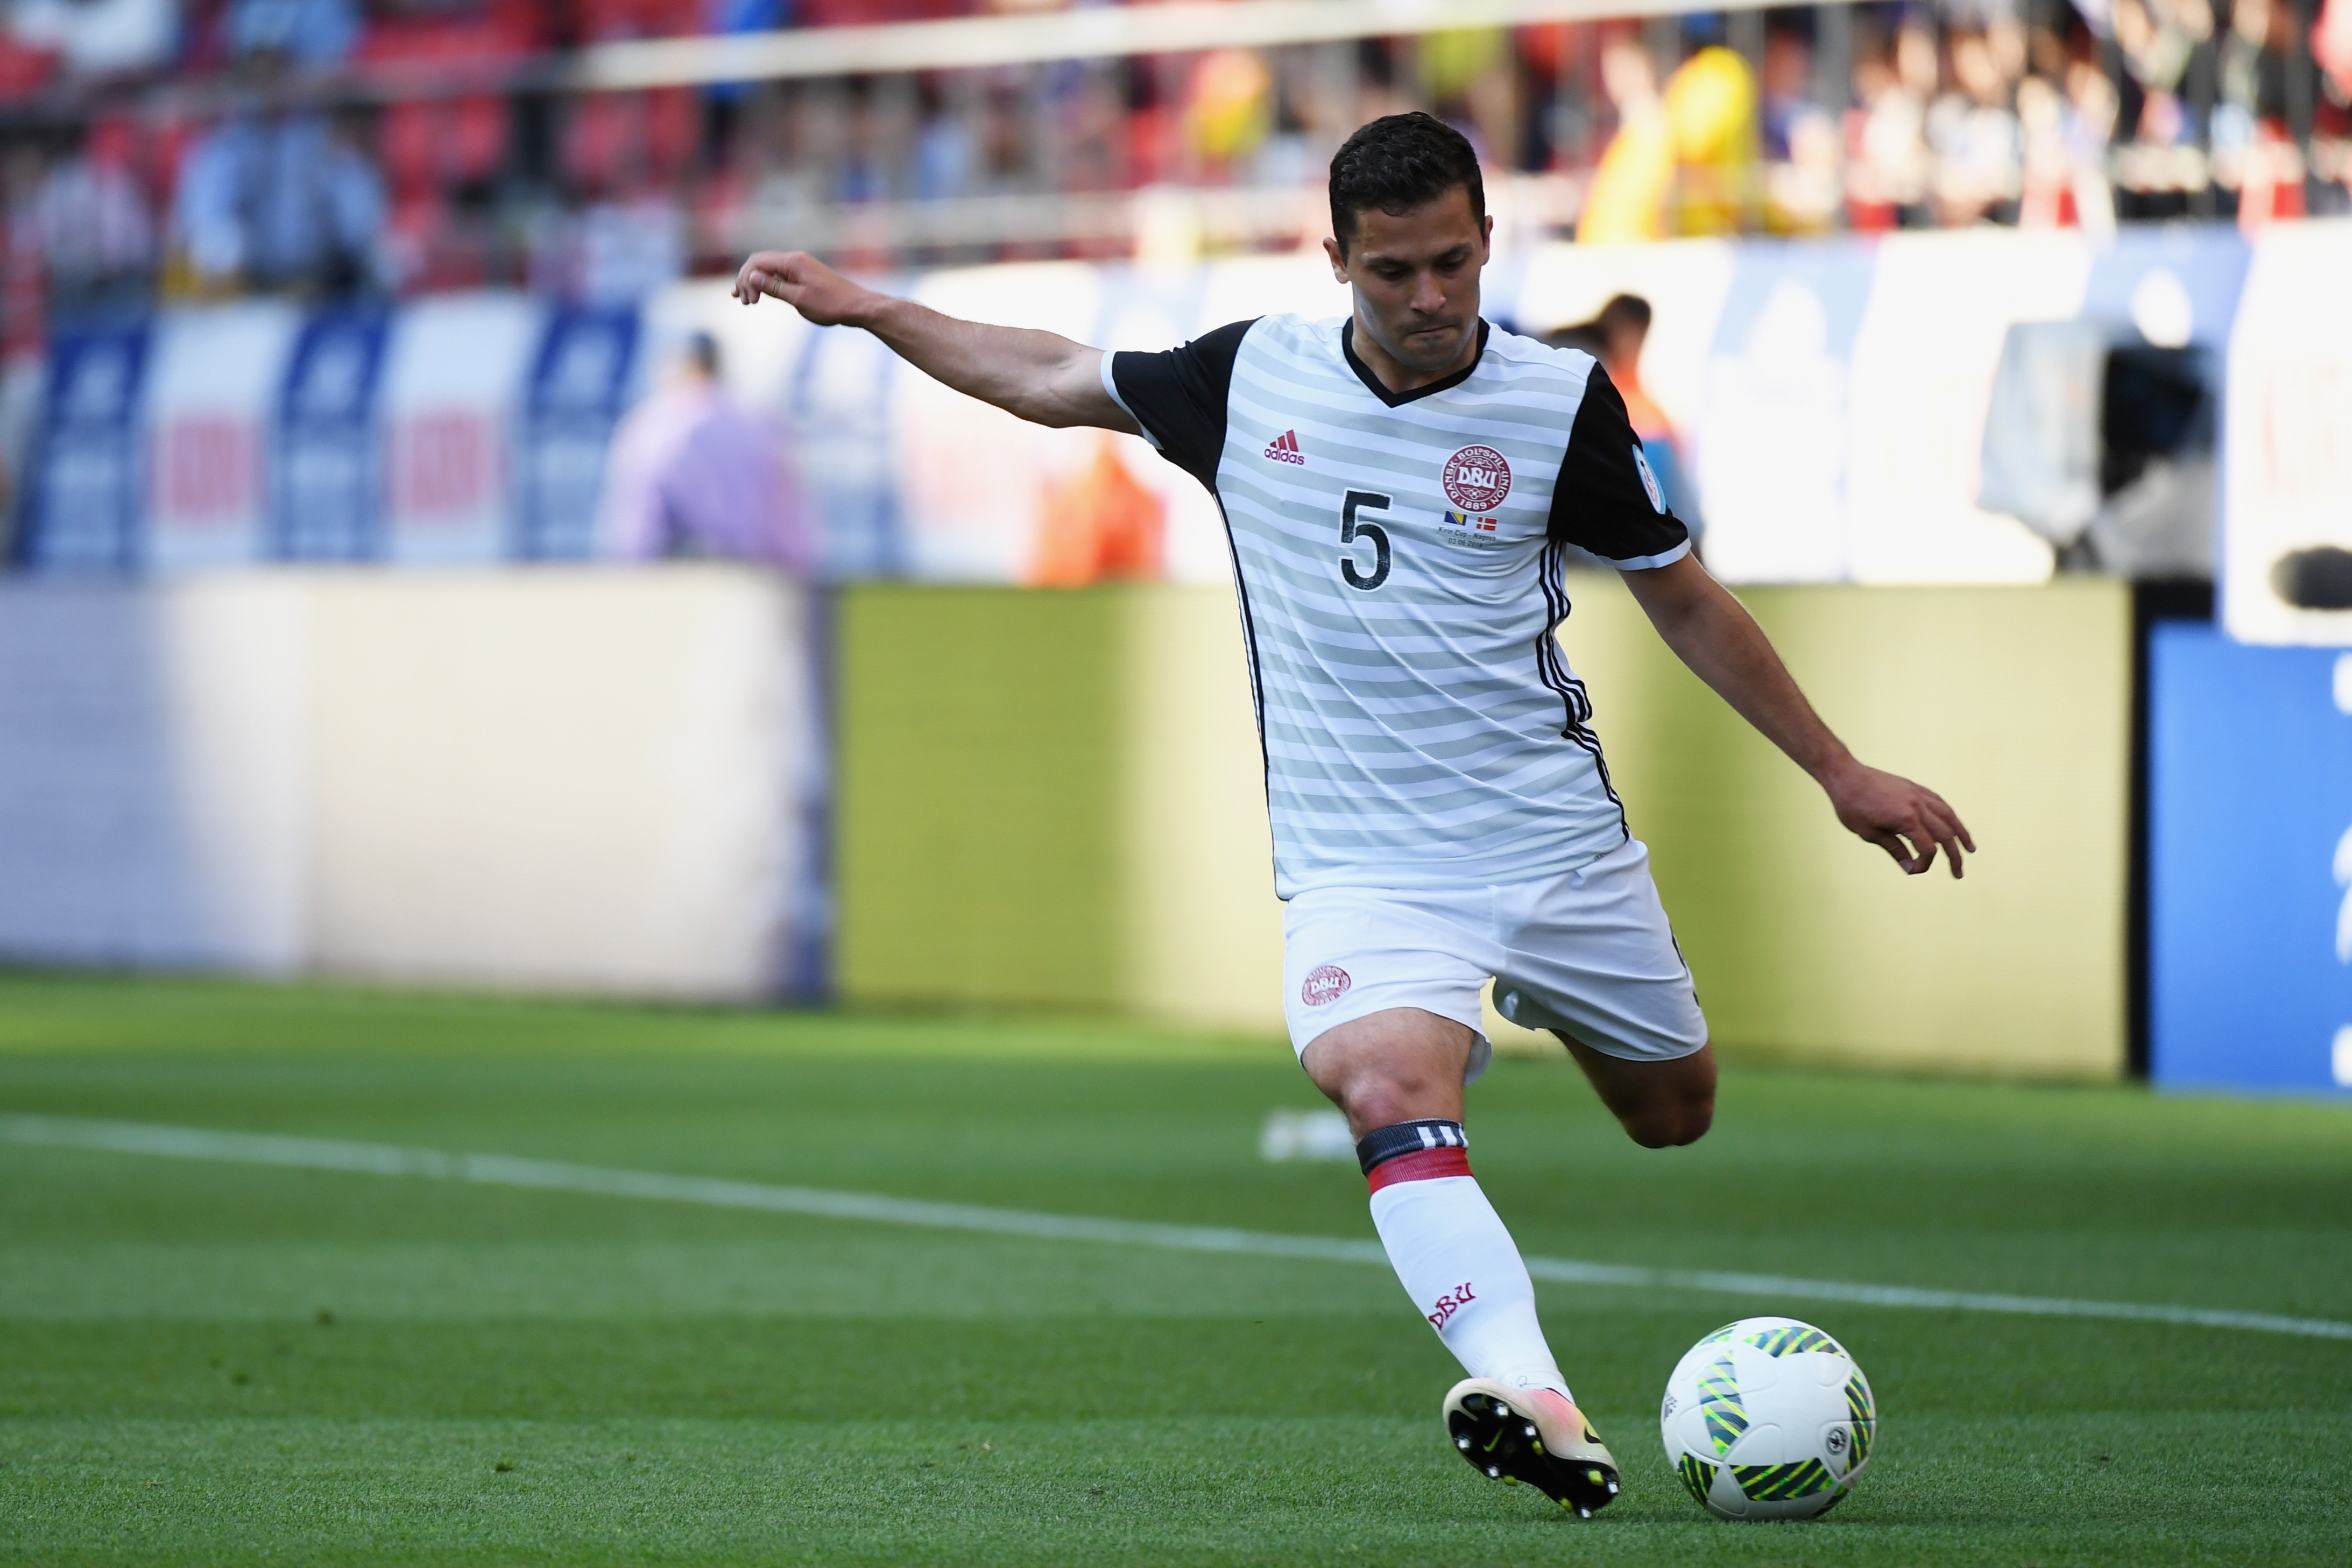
{"points": [[1383, 1101], [1671, 1123]]}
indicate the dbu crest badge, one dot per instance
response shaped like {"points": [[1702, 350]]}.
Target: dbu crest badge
{"points": [[1476, 478]]}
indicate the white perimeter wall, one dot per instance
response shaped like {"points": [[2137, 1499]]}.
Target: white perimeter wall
{"points": [[568, 780]]}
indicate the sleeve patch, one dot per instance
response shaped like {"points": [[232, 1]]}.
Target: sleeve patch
{"points": [[1608, 498], [1649, 480]]}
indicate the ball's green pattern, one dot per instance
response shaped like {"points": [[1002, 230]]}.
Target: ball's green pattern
{"points": [[1864, 1412], [1793, 1340], [1697, 1475], [1771, 1483], [1720, 1404]]}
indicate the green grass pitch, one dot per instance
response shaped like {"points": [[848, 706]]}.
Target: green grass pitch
{"points": [[216, 1364]]}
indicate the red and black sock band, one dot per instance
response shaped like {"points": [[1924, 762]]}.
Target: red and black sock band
{"points": [[1413, 1151]]}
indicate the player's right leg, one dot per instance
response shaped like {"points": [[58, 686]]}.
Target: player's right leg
{"points": [[1384, 1010], [1397, 1074]]}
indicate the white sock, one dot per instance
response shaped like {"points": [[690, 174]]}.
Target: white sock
{"points": [[1453, 1256]]}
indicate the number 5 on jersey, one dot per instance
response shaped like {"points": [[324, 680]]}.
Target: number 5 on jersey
{"points": [[1351, 531]]}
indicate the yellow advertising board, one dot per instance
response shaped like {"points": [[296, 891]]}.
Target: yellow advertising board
{"points": [[1057, 799]]}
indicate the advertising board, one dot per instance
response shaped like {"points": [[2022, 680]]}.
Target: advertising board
{"points": [[84, 506], [454, 376], [325, 475], [215, 375], [580, 377], [2249, 864], [2286, 548]]}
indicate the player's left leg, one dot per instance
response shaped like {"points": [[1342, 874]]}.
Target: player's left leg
{"points": [[1662, 1104], [1591, 958]]}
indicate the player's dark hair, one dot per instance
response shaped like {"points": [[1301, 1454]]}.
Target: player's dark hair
{"points": [[1398, 163]]}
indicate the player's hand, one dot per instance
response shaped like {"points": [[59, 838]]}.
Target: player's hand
{"points": [[1909, 821], [819, 294]]}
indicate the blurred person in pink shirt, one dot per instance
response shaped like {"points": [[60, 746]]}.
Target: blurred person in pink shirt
{"points": [[693, 475]]}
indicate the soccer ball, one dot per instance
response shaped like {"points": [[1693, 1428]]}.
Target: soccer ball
{"points": [[1768, 1418]]}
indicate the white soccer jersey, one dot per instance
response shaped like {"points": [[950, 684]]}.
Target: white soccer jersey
{"points": [[1399, 559]]}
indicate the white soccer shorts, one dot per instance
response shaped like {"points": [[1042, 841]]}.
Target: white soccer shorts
{"points": [[1587, 950]]}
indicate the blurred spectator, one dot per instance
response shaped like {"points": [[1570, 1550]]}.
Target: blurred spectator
{"points": [[869, 161], [610, 253], [2046, 169], [24, 67], [22, 325], [1710, 107], [944, 152], [2331, 47], [625, 158], [2331, 142], [2253, 74], [98, 37], [1094, 133], [1101, 525], [609, 21], [1469, 76], [2091, 108], [724, 17], [1802, 196], [1623, 328], [2157, 38], [441, 158], [1786, 85], [2252, 147], [89, 223], [1887, 134], [1975, 137], [1616, 337], [693, 475], [1626, 200], [23, 171], [281, 202], [1230, 108], [472, 31], [1801, 177], [614, 193], [305, 32], [627, 249]]}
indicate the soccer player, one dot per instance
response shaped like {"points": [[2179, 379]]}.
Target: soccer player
{"points": [[1399, 488]]}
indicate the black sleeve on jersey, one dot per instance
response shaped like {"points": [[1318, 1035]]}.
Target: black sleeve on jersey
{"points": [[1600, 503], [1179, 396]]}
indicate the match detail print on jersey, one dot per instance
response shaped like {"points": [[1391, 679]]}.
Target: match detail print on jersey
{"points": [[1398, 561]]}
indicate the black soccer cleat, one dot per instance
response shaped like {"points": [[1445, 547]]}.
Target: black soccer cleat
{"points": [[1505, 1435]]}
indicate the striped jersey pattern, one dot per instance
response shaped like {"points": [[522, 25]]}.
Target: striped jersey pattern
{"points": [[1399, 560]]}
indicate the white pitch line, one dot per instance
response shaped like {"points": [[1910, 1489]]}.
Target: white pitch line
{"points": [[552, 1175]]}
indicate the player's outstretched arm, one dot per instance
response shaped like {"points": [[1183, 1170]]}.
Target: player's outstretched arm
{"points": [[1045, 379], [1712, 633]]}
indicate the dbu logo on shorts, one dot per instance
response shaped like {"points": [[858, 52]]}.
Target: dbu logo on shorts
{"points": [[1325, 984]]}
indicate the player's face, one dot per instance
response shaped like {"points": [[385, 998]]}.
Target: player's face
{"points": [[1415, 276]]}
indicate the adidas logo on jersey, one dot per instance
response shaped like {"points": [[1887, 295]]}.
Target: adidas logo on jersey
{"points": [[1285, 448]]}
